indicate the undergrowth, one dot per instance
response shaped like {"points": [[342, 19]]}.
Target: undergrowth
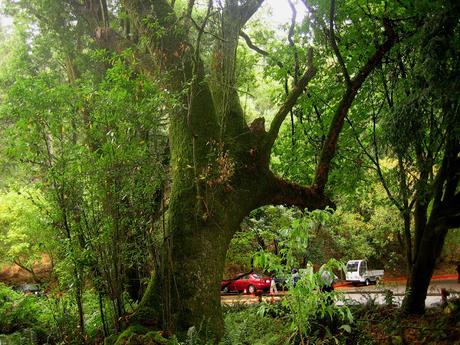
{"points": [[389, 325], [373, 325], [246, 325], [45, 319]]}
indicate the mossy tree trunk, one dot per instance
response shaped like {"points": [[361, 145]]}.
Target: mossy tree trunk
{"points": [[219, 167]]}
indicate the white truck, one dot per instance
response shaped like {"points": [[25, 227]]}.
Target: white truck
{"points": [[357, 272]]}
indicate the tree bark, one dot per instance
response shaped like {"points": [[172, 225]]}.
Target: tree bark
{"points": [[431, 231], [422, 270]]}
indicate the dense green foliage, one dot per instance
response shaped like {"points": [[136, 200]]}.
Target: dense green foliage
{"points": [[247, 325], [25, 232], [98, 177]]}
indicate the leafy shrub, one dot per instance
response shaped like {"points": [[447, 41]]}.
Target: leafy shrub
{"points": [[314, 312], [19, 311], [245, 325]]}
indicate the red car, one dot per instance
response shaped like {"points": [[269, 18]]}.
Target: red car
{"points": [[246, 283]]}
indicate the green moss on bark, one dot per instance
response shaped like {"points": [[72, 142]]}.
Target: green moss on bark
{"points": [[149, 310], [140, 335]]}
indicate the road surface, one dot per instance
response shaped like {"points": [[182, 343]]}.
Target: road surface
{"points": [[363, 294]]}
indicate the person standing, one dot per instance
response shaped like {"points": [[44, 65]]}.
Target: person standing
{"points": [[295, 277], [458, 272], [327, 281], [273, 289]]}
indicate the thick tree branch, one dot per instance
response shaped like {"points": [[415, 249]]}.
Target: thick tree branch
{"points": [[448, 213], [171, 52], [375, 59], [165, 42], [296, 63], [330, 145], [248, 9], [330, 35], [446, 180], [453, 222], [96, 15], [253, 46], [229, 111], [446, 198], [289, 103], [190, 5], [287, 193]]}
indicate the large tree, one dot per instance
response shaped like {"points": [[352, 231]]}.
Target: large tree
{"points": [[219, 162]]}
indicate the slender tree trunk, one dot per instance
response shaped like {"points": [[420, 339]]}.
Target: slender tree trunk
{"points": [[407, 244], [429, 249], [101, 312], [79, 300]]}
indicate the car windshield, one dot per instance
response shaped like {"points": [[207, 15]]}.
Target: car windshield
{"points": [[352, 267], [255, 275]]}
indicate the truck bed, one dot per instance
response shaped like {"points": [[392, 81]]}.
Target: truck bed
{"points": [[374, 273]]}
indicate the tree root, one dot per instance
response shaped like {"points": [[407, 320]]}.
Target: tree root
{"points": [[140, 335]]}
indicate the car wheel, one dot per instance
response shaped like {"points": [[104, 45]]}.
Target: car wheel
{"points": [[367, 282], [251, 289], [225, 290]]}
